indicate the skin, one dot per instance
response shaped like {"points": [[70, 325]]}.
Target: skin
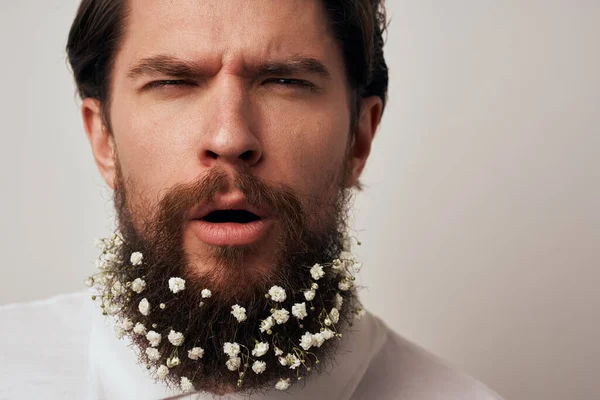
{"points": [[228, 115]]}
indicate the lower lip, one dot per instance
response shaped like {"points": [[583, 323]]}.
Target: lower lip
{"points": [[230, 233]]}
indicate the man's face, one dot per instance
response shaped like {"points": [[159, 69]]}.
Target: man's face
{"points": [[227, 110], [223, 105]]}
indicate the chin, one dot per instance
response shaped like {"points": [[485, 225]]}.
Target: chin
{"points": [[230, 268]]}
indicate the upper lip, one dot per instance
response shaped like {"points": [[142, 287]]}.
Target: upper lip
{"points": [[236, 202]]}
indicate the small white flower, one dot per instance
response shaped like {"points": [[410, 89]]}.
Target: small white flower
{"points": [[101, 264], [339, 300], [138, 285], [277, 294], [139, 329], [290, 361], [206, 293], [344, 285], [238, 312], [154, 338], [336, 265], [282, 384], [119, 332], [196, 353], [334, 315], [144, 306], [327, 322], [267, 324], [309, 295], [318, 340], [100, 244], [117, 289], [231, 349], [162, 372], [136, 258], [127, 324], [360, 313], [117, 240], [259, 367], [260, 349], [89, 282], [186, 385], [299, 310], [278, 351], [176, 285], [317, 272], [176, 338], [112, 308], [110, 257], [306, 341], [314, 286], [347, 243], [281, 316], [233, 363], [327, 334], [173, 362], [152, 353]]}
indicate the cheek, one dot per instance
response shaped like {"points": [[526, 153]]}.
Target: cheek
{"points": [[306, 150], [150, 146]]}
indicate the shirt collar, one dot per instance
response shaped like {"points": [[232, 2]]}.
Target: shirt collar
{"points": [[115, 373]]}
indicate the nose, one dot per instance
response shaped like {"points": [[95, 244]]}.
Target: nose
{"points": [[230, 138]]}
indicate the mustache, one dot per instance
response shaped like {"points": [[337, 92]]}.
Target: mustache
{"points": [[170, 211]]}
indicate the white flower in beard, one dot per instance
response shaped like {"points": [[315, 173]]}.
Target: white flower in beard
{"points": [[260, 349], [299, 310], [154, 338], [309, 295], [231, 349], [186, 385], [138, 285], [139, 329], [277, 294], [267, 324], [239, 313], [281, 316], [176, 338], [144, 306], [176, 285], [317, 272], [136, 258], [259, 367], [233, 363], [162, 372], [282, 384], [152, 353]]}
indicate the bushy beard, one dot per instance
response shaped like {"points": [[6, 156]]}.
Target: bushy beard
{"points": [[311, 232]]}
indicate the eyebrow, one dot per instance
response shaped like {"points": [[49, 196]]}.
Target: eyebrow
{"points": [[175, 67]]}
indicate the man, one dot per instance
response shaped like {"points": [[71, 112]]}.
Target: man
{"points": [[232, 133]]}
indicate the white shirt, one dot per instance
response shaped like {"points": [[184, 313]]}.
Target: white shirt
{"points": [[63, 348]]}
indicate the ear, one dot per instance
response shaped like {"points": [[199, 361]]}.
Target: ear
{"points": [[100, 139], [364, 133]]}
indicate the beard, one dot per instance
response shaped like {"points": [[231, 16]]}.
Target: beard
{"points": [[236, 325]]}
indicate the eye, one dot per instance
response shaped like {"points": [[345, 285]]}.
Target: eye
{"points": [[291, 82], [168, 82]]}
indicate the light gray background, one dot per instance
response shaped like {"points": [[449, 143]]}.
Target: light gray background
{"points": [[480, 221]]}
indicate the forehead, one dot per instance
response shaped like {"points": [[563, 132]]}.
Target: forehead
{"points": [[228, 32]]}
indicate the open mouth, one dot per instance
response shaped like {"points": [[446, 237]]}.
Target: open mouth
{"points": [[233, 216], [230, 220]]}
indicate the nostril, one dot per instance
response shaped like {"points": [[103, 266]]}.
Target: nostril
{"points": [[212, 154], [247, 155]]}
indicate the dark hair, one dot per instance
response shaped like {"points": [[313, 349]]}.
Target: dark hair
{"points": [[358, 25]]}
